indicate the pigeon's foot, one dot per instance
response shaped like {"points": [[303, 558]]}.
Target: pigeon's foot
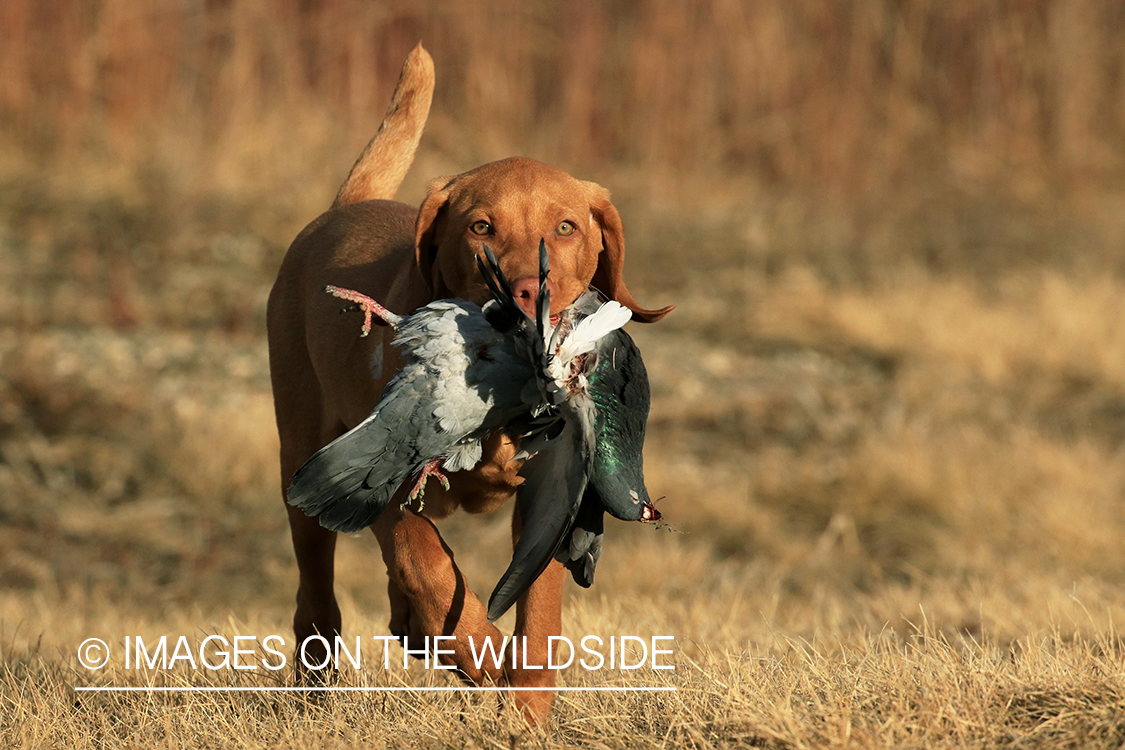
{"points": [[431, 469], [364, 303]]}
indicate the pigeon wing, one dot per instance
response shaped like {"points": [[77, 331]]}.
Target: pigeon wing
{"points": [[549, 498], [428, 411], [349, 482]]}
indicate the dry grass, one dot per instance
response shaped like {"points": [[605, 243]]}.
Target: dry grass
{"points": [[889, 413], [898, 510], [855, 100], [875, 690]]}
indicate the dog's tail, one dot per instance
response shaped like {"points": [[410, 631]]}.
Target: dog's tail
{"points": [[383, 164]]}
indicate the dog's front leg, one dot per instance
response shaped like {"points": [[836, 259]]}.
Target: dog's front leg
{"points": [[317, 612], [538, 616], [429, 596]]}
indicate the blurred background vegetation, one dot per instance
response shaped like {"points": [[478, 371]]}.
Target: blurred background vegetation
{"points": [[894, 230], [857, 136]]}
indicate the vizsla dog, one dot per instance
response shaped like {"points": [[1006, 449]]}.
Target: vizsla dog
{"points": [[327, 379]]}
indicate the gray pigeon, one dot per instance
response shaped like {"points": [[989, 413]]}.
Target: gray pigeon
{"points": [[433, 414]]}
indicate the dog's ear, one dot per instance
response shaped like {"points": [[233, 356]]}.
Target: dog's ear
{"points": [[608, 277], [428, 228]]}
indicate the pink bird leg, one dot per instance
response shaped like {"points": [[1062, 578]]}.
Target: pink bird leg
{"points": [[431, 469], [367, 305]]}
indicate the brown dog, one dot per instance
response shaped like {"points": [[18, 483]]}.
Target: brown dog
{"points": [[327, 379]]}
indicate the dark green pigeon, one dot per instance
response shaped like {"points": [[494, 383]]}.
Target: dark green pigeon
{"points": [[619, 387], [611, 401]]}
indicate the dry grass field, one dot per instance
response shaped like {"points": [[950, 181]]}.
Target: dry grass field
{"points": [[889, 411]]}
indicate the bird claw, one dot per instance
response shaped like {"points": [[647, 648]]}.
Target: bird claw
{"points": [[418, 492], [362, 302]]}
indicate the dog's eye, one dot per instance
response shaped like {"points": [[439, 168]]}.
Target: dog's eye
{"points": [[481, 228], [565, 228]]}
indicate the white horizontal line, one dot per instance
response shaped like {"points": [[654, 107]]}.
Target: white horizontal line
{"points": [[393, 689]]}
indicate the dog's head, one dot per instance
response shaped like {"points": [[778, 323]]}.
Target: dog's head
{"points": [[510, 205]]}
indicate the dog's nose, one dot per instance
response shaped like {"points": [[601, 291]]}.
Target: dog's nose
{"points": [[526, 291]]}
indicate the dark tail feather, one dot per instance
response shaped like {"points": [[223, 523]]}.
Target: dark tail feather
{"points": [[581, 555], [501, 289], [543, 301], [549, 498]]}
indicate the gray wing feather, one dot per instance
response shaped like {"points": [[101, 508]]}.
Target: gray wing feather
{"points": [[349, 482], [430, 409]]}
